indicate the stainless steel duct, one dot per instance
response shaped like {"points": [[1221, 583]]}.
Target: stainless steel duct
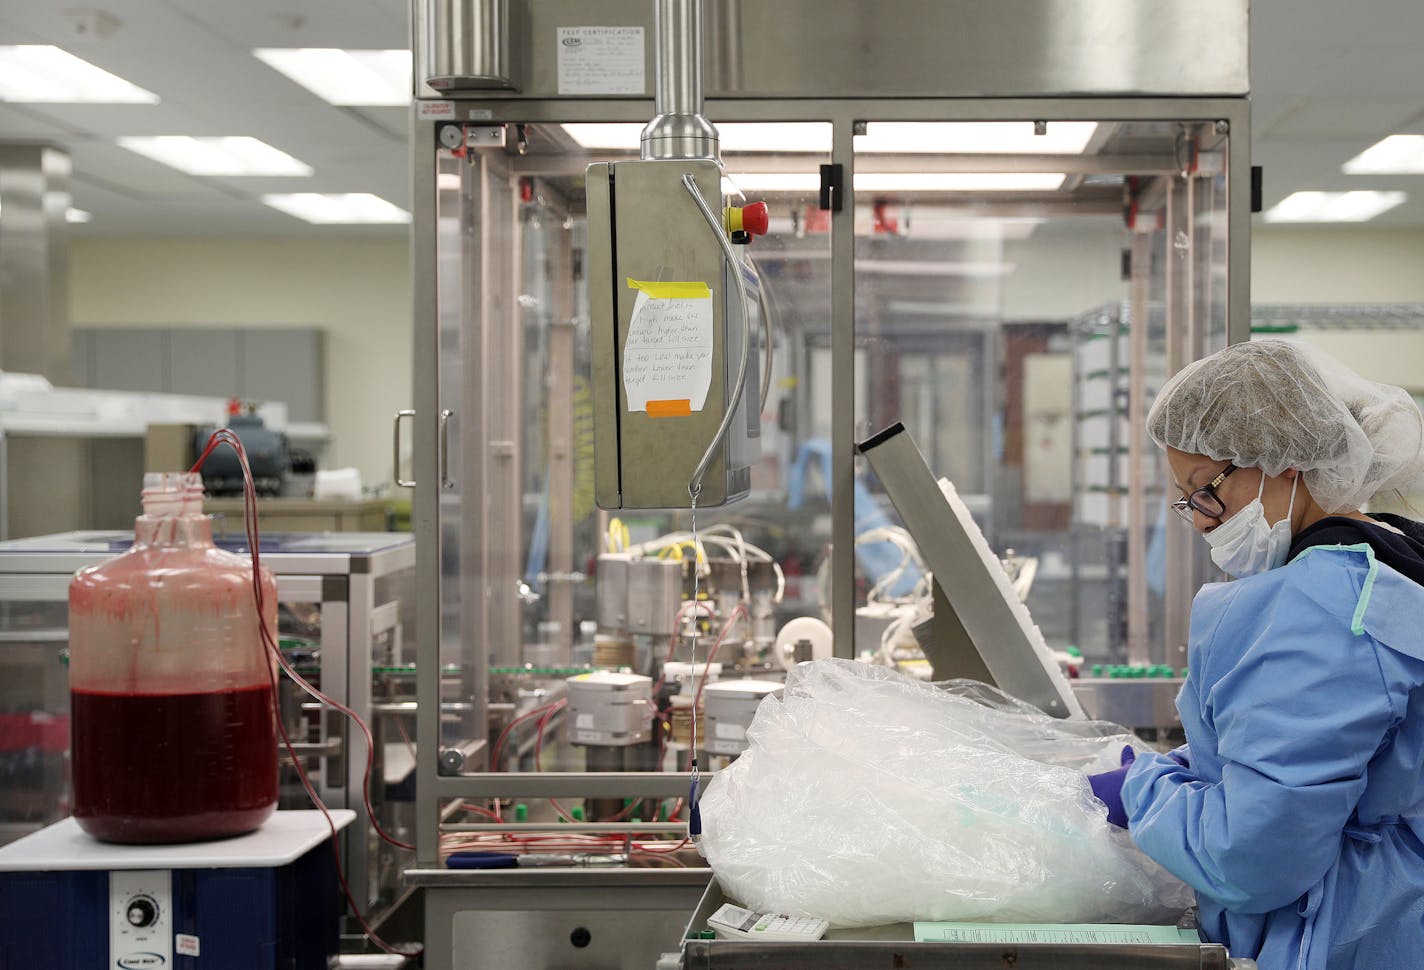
{"points": [[678, 129], [467, 45]]}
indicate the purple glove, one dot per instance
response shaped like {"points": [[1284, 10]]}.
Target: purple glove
{"points": [[1107, 786]]}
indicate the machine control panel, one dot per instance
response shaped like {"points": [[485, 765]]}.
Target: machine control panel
{"points": [[140, 919]]}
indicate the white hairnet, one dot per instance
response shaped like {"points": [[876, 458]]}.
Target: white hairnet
{"points": [[1274, 404]]}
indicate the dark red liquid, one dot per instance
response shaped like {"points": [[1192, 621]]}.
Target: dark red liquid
{"points": [[173, 767]]}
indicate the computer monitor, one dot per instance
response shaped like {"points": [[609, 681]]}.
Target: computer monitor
{"points": [[981, 629]]}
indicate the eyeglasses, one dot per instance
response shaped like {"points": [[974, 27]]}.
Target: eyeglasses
{"points": [[1204, 499]]}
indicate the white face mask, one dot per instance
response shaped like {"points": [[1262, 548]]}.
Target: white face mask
{"points": [[1246, 544]]}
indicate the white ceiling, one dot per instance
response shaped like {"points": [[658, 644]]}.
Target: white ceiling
{"points": [[1328, 79]]}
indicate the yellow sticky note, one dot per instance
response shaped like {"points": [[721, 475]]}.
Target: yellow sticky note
{"points": [[694, 290]]}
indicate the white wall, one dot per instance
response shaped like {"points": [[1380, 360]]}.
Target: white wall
{"points": [[1336, 265], [1060, 273], [356, 291]]}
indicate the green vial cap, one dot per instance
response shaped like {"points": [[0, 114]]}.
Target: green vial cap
{"points": [[577, 813], [521, 812], [1097, 670], [1074, 652]]}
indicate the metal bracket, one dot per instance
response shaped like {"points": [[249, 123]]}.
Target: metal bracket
{"points": [[832, 187]]}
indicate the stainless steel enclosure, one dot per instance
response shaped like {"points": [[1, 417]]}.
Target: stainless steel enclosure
{"points": [[896, 301]]}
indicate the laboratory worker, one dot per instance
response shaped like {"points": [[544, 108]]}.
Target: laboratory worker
{"points": [[1296, 808]]}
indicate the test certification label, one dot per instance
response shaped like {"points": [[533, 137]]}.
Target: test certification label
{"points": [[601, 60]]}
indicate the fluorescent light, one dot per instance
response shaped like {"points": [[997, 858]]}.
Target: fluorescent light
{"points": [[345, 77], [773, 182], [921, 222], [906, 182], [607, 137], [958, 181], [353, 207], [42, 72], [908, 137], [77, 215], [1333, 206], [975, 137], [1397, 154], [908, 267], [732, 136], [227, 155]]}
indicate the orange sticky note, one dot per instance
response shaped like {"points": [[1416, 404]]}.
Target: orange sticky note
{"points": [[670, 409]]}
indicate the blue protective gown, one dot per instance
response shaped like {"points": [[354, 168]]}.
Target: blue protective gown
{"points": [[1299, 814]]}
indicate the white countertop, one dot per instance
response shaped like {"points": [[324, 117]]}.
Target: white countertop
{"points": [[283, 838]]}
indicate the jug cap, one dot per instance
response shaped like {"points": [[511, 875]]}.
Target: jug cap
{"points": [[172, 493]]}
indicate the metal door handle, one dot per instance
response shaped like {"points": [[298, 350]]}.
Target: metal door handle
{"points": [[445, 415], [396, 448]]}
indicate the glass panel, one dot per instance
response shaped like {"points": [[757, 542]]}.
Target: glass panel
{"points": [[764, 558], [34, 716], [1019, 294]]}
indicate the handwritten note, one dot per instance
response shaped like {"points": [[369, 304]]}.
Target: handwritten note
{"points": [[601, 60], [667, 355]]}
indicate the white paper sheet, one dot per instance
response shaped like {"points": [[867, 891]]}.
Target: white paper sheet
{"points": [[667, 356], [601, 60]]}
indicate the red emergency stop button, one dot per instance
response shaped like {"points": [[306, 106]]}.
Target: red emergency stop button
{"points": [[752, 219]]}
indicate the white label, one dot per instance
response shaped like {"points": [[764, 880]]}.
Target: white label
{"points": [[731, 732], [435, 110], [667, 355], [601, 60], [186, 945], [584, 722], [477, 114]]}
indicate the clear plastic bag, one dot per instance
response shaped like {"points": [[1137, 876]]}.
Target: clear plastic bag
{"points": [[867, 798]]}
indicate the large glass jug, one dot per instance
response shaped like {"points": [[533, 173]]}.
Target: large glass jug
{"points": [[173, 736]]}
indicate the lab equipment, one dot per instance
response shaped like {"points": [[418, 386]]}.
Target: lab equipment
{"points": [[609, 709], [345, 618], [654, 595], [171, 690], [729, 708], [1294, 821], [981, 628], [268, 455], [507, 266], [71, 903], [673, 323], [867, 797], [1274, 404], [985, 946], [734, 923]]}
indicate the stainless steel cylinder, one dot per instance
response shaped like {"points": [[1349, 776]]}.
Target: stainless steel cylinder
{"points": [[678, 129], [654, 595], [611, 578], [467, 44]]}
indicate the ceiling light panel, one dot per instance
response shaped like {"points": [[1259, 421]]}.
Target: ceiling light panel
{"points": [[342, 209], [732, 136], [227, 155], [350, 77], [1333, 206], [44, 73], [1395, 155], [950, 137]]}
